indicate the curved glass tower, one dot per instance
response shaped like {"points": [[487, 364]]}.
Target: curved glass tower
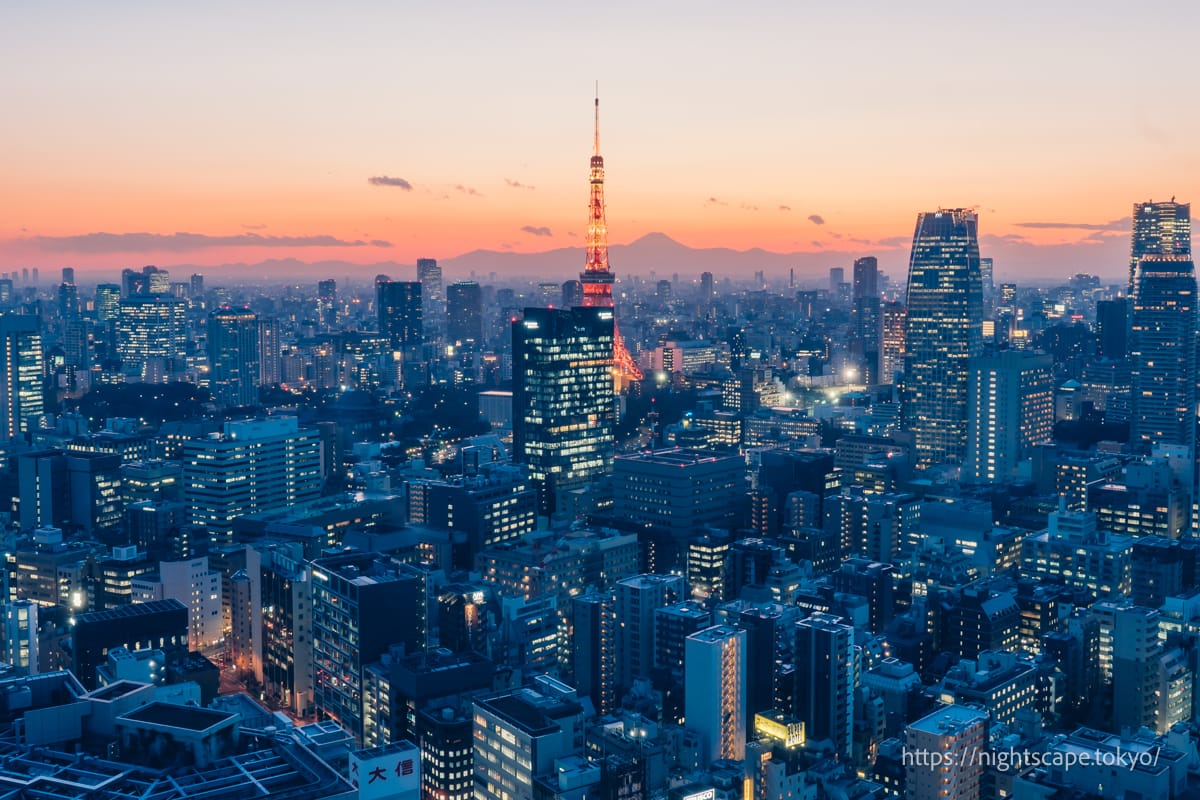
{"points": [[943, 331]]}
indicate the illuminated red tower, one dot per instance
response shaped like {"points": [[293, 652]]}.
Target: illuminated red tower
{"points": [[597, 278]]}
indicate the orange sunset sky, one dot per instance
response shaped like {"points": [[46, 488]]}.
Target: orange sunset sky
{"points": [[790, 126]]}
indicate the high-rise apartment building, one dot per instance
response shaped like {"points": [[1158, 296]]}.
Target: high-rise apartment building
{"points": [[824, 691], [1159, 229], [233, 356], [563, 398], [281, 623], [893, 318], [21, 380], [636, 599], [715, 690], [944, 330], [464, 314], [940, 754], [1162, 351], [362, 603], [1010, 409], [270, 352]]}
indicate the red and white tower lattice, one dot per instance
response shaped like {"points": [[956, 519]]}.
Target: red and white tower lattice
{"points": [[597, 278]]}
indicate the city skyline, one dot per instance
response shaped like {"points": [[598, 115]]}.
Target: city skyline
{"points": [[245, 146]]}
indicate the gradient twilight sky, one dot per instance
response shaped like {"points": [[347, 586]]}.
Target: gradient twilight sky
{"points": [[256, 126]]}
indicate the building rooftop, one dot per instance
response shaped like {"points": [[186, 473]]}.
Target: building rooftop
{"points": [[950, 720], [131, 611], [676, 457], [189, 718]]}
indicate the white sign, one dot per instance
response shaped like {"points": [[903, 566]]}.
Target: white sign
{"points": [[383, 773]]}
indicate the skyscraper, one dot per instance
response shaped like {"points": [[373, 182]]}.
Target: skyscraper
{"points": [[1010, 408], [706, 287], [715, 690], [233, 356], [327, 303], [597, 278], [429, 275], [1162, 349], [1159, 229], [21, 380], [108, 298], [400, 314], [563, 404], [944, 330], [866, 277], [151, 333], [269, 352], [893, 317], [464, 314]]}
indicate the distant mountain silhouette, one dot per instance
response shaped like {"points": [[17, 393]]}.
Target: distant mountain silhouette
{"points": [[1015, 259], [654, 252]]}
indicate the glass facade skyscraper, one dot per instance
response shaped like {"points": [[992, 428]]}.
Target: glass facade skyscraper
{"points": [[233, 357], [464, 314], [944, 329], [152, 336], [1162, 350], [22, 380], [1159, 229], [399, 306], [563, 404]]}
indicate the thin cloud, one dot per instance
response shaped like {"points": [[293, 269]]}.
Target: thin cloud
{"points": [[815, 243], [537, 231], [712, 201], [103, 242], [254, 227], [467, 190], [518, 185], [1004, 238], [785, 208], [748, 207], [816, 219], [1121, 224], [893, 241], [384, 180]]}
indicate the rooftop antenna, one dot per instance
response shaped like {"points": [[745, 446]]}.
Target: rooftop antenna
{"points": [[596, 135]]}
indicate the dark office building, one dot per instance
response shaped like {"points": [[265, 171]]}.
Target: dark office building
{"points": [[161, 624], [464, 314], [1112, 327], [399, 307]]}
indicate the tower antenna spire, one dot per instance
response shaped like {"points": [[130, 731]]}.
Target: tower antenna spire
{"points": [[596, 134]]}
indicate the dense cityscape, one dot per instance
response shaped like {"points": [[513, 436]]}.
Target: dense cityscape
{"points": [[925, 536]]}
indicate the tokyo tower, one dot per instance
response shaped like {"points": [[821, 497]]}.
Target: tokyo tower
{"points": [[597, 278]]}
